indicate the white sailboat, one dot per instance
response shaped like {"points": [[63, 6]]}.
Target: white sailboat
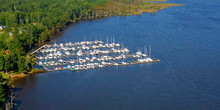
{"points": [[79, 53]]}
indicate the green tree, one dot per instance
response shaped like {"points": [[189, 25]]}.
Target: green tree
{"points": [[2, 62], [9, 63], [44, 36], [21, 64], [3, 89]]}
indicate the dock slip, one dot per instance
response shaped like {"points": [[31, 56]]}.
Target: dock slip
{"points": [[87, 55]]}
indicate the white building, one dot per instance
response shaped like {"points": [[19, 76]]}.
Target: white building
{"points": [[1, 27]]}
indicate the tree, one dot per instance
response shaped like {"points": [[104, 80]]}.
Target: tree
{"points": [[7, 65], [3, 89], [10, 62], [44, 36], [2, 62], [21, 64]]}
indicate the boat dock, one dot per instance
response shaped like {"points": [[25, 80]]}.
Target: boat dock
{"points": [[38, 49], [87, 55]]}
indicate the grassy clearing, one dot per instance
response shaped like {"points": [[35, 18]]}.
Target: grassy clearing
{"points": [[5, 76], [154, 0], [124, 8], [36, 70], [151, 7]]}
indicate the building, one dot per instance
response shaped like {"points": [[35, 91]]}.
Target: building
{"points": [[2, 27]]}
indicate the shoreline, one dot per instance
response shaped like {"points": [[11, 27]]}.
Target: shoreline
{"points": [[14, 77], [165, 5], [37, 45]]}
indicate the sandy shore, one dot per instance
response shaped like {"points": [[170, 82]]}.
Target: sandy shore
{"points": [[17, 76], [22, 75]]}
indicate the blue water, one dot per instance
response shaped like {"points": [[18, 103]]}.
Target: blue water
{"points": [[187, 41]]}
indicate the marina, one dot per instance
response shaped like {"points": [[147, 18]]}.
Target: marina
{"points": [[87, 55]]}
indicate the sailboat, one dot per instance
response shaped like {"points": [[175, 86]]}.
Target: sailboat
{"points": [[79, 53]]}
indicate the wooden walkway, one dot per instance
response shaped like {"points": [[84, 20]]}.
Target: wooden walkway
{"points": [[37, 49]]}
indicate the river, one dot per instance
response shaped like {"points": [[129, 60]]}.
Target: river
{"points": [[187, 41]]}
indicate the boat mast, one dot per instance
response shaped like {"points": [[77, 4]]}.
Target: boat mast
{"points": [[146, 52], [145, 49], [150, 52]]}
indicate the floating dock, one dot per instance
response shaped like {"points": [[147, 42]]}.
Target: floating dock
{"points": [[87, 55]]}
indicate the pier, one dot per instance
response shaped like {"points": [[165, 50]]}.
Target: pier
{"points": [[87, 55]]}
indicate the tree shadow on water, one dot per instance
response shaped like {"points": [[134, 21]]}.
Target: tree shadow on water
{"points": [[17, 103]]}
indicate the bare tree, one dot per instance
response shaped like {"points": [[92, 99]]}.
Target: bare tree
{"points": [[10, 104]]}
